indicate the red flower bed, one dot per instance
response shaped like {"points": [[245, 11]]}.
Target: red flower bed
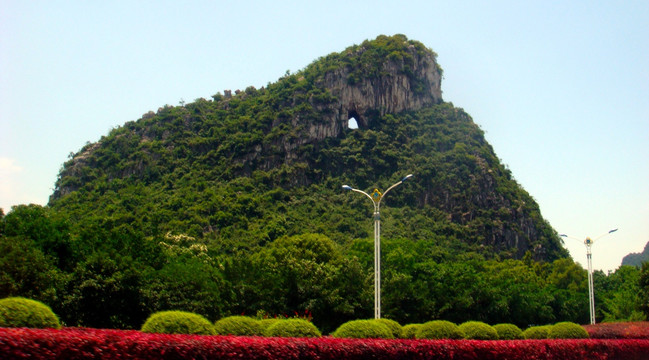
{"points": [[622, 330], [115, 344]]}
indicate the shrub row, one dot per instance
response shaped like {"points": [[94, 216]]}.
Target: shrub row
{"points": [[20, 312], [76, 343], [562, 330], [441, 329], [180, 322]]}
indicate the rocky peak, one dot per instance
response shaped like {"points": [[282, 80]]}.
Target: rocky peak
{"points": [[385, 75], [408, 81]]}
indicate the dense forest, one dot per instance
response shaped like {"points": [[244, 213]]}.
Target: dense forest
{"points": [[234, 206]]}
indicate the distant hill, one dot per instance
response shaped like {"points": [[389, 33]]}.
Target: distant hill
{"points": [[240, 170], [636, 259]]}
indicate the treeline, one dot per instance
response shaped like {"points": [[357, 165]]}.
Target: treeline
{"points": [[107, 278]]}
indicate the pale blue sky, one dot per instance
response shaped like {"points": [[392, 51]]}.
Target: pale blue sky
{"points": [[561, 88]]}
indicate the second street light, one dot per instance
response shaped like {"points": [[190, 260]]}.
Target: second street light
{"points": [[376, 198], [589, 258]]}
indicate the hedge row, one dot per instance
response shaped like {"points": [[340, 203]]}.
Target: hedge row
{"points": [[179, 322], [75, 343], [622, 330], [21, 312]]}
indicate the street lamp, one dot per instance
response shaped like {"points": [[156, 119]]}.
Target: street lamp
{"points": [[591, 291], [376, 198]]}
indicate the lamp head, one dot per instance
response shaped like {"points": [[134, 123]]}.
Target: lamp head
{"points": [[347, 187], [407, 177]]}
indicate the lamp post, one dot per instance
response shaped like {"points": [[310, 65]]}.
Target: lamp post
{"points": [[591, 291], [376, 198]]}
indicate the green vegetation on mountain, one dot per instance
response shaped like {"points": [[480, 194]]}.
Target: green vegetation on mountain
{"points": [[234, 206], [184, 170]]}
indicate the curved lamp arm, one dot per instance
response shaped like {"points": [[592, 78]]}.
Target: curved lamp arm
{"points": [[395, 185], [588, 240], [378, 203], [347, 187]]}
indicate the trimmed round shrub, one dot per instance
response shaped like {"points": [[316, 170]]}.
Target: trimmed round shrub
{"points": [[178, 322], [395, 328], [477, 330], [265, 323], [508, 332], [238, 325], [292, 328], [363, 329], [537, 332], [410, 331], [439, 329], [21, 312], [567, 330]]}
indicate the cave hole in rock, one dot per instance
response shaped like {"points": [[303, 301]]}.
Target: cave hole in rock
{"points": [[352, 124], [353, 120]]}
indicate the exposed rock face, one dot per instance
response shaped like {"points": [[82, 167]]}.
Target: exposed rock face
{"points": [[391, 92], [403, 83]]}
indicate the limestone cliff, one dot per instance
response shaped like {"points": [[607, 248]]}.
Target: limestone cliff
{"points": [[407, 79], [395, 89]]}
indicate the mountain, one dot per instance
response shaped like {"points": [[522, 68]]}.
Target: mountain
{"points": [[636, 259], [241, 170]]}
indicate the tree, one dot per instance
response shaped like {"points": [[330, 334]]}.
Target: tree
{"points": [[2, 223], [644, 289], [44, 228], [520, 295], [566, 274], [568, 285], [104, 292], [185, 284], [308, 273], [25, 271]]}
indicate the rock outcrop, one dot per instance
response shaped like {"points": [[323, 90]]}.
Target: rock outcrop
{"points": [[394, 90], [408, 80]]}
